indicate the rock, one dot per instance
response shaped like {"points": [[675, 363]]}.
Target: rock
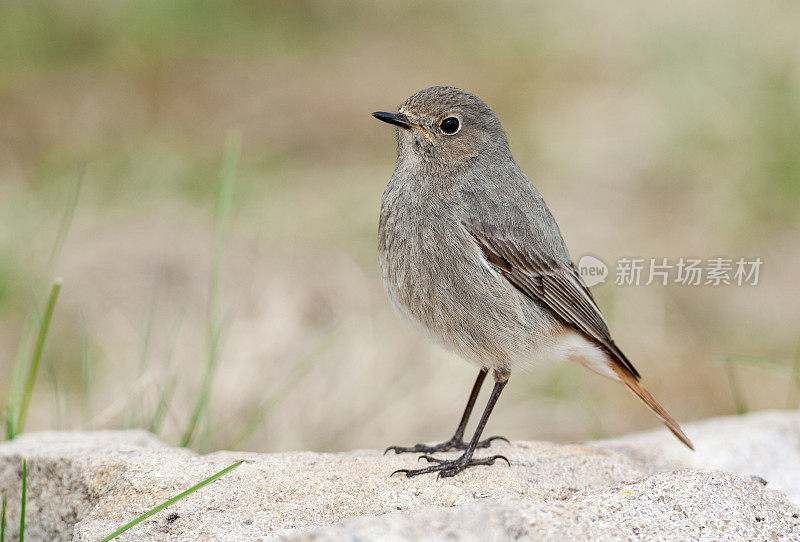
{"points": [[664, 506], [84, 485], [762, 444]]}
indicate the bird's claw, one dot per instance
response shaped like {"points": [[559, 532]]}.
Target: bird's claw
{"points": [[449, 468], [455, 443]]}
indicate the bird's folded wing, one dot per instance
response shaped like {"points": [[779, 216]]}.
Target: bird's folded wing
{"points": [[556, 285]]}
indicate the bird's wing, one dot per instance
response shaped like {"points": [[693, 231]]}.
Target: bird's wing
{"points": [[528, 251]]}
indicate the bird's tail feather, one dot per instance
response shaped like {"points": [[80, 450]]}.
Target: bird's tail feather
{"points": [[641, 392]]}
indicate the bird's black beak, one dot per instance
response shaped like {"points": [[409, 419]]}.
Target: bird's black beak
{"points": [[398, 119]]}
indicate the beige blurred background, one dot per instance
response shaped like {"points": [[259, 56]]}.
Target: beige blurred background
{"points": [[652, 130]]}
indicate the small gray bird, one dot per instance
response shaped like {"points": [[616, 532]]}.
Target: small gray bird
{"points": [[471, 256]]}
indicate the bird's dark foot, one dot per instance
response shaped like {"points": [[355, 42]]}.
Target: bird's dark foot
{"points": [[455, 443], [451, 467]]}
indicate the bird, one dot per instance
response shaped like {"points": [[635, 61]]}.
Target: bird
{"points": [[472, 257]]}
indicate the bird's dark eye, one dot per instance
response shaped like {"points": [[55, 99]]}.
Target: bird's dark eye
{"points": [[450, 125]]}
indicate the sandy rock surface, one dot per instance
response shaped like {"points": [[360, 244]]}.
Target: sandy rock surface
{"points": [[84, 485]]}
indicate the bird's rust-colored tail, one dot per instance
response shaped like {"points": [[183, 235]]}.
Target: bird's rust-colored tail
{"points": [[633, 384]]}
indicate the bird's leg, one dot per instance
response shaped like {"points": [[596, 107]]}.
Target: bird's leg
{"points": [[457, 440], [448, 468]]}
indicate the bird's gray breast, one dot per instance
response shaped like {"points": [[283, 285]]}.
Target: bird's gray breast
{"points": [[437, 279]]}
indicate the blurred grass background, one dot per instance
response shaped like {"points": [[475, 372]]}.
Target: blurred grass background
{"points": [[652, 130]]}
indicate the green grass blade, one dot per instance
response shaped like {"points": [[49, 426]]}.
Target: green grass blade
{"points": [[136, 418], [37, 355], [171, 501], [214, 318], [794, 381], [168, 390], [23, 352], [64, 228], [18, 380], [86, 373], [3, 522], [164, 400], [22, 503], [759, 363], [11, 417], [733, 383], [55, 388]]}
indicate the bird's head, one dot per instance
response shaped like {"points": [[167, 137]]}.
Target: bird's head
{"points": [[445, 125]]}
